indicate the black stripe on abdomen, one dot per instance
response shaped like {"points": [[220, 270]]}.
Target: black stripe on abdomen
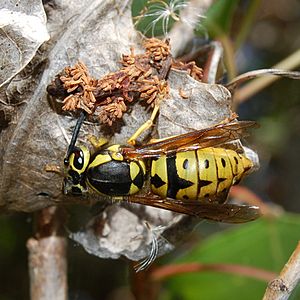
{"points": [[175, 183]]}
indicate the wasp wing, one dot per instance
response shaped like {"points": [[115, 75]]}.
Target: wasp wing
{"points": [[209, 137], [226, 213]]}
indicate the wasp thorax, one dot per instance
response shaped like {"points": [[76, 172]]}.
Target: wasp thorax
{"points": [[109, 174]]}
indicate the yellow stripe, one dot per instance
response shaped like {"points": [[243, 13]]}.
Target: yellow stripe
{"points": [[224, 169], [159, 167], [133, 189], [206, 158], [134, 169], [187, 159], [236, 162], [99, 160]]}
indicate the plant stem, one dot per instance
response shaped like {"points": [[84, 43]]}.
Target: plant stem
{"points": [[172, 270], [47, 257], [256, 85], [281, 287]]}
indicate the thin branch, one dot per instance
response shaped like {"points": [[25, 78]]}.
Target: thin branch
{"points": [[229, 55], [165, 272], [212, 63], [47, 257], [281, 287], [244, 93], [142, 287]]}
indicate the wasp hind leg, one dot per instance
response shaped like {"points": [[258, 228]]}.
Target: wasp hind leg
{"points": [[154, 236]]}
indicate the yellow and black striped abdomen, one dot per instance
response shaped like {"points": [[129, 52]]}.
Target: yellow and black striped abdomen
{"points": [[197, 174]]}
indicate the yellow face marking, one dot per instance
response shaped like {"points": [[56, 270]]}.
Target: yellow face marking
{"points": [[186, 166], [86, 159], [159, 168]]}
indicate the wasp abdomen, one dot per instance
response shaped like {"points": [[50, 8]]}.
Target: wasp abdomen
{"points": [[197, 174]]}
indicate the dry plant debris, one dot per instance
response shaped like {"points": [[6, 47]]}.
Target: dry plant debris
{"points": [[142, 76]]}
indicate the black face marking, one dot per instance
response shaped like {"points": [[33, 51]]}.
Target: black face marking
{"points": [[75, 176], [157, 181], [236, 160], [76, 191], [206, 164], [185, 164], [185, 197], [175, 183], [223, 161]]}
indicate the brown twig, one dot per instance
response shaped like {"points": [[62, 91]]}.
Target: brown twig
{"points": [[47, 257], [253, 87], [166, 272], [281, 287], [142, 287]]}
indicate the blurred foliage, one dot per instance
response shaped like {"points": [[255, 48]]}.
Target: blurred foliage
{"points": [[263, 32], [265, 244], [219, 17], [14, 232]]}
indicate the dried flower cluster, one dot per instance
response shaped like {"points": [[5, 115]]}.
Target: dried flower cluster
{"points": [[191, 68], [142, 76], [77, 79]]}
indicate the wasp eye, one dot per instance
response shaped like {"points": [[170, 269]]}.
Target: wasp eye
{"points": [[78, 161], [66, 161]]}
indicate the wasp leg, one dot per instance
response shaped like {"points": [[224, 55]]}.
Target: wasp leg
{"points": [[148, 124], [97, 143], [155, 235]]}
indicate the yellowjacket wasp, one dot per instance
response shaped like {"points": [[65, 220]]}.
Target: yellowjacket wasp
{"points": [[190, 173]]}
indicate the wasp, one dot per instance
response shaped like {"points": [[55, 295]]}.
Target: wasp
{"points": [[190, 173]]}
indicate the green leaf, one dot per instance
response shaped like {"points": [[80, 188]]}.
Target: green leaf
{"points": [[219, 17], [265, 244]]}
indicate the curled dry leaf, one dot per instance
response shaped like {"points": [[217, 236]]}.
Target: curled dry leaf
{"points": [[41, 132], [23, 30]]}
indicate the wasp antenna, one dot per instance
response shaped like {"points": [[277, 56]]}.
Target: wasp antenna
{"points": [[75, 135]]}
